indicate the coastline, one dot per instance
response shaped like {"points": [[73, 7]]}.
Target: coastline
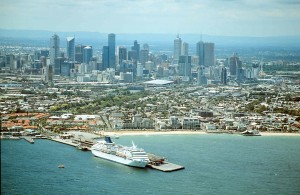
{"points": [[133, 133]]}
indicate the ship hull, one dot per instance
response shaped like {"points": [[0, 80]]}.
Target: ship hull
{"points": [[124, 161]]}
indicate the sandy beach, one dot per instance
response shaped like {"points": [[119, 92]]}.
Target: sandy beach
{"points": [[120, 133]]}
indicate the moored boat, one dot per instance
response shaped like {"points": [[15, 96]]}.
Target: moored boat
{"points": [[131, 156], [251, 133]]}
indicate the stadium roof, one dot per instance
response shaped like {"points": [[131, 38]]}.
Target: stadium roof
{"points": [[158, 82]]}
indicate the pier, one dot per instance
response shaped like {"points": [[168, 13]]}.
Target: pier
{"points": [[166, 167], [29, 139], [156, 162], [160, 163]]}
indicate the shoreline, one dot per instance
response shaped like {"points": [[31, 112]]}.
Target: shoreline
{"points": [[133, 133]]}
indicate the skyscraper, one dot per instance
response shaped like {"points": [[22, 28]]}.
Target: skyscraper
{"points": [[79, 53], [112, 50], [177, 47], [206, 53], [234, 64], [185, 66], [185, 49], [71, 48], [144, 56], [105, 57], [122, 54], [224, 76], [136, 48], [54, 48], [209, 54], [87, 54]]}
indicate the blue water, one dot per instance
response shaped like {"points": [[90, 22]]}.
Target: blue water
{"points": [[214, 164]]}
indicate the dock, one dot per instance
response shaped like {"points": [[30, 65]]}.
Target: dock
{"points": [[29, 139], [160, 163], [156, 162], [166, 167]]}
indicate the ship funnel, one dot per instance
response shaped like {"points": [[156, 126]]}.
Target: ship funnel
{"points": [[107, 139]]}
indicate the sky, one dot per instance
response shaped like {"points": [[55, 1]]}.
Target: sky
{"points": [[214, 17]]}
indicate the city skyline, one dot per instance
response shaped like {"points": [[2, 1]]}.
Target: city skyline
{"points": [[230, 18]]}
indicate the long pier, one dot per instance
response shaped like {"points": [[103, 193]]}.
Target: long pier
{"points": [[156, 162]]}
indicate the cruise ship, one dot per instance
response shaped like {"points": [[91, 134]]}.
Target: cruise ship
{"points": [[131, 156]]}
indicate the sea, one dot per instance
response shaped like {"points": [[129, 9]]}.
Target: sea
{"points": [[214, 164]]}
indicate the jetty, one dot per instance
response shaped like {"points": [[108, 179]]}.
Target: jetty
{"points": [[166, 167], [160, 163], [29, 139], [156, 162]]}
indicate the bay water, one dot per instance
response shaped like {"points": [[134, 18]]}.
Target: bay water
{"points": [[214, 164]]}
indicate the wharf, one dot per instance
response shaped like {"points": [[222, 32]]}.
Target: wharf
{"points": [[159, 163], [156, 162], [29, 139], [67, 141], [166, 167]]}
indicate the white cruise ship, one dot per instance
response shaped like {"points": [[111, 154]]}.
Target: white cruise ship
{"points": [[131, 156]]}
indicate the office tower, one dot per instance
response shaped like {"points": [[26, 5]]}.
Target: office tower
{"points": [[122, 54], [66, 68], [185, 66], [54, 48], [224, 76], [200, 52], [79, 53], [112, 50], [71, 48], [206, 53], [105, 57], [136, 48], [177, 47], [45, 53], [57, 65], [132, 55], [144, 56], [146, 46], [234, 64], [139, 72], [87, 54], [185, 49], [209, 54], [202, 80]]}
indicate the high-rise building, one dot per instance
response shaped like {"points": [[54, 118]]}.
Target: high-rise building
{"points": [[122, 54], [206, 53], [177, 47], [79, 53], [185, 49], [224, 76], [209, 54], [112, 50], [71, 48], [185, 66], [146, 46], [144, 56], [54, 48], [87, 54], [136, 48], [45, 53], [105, 57], [234, 64], [57, 65]]}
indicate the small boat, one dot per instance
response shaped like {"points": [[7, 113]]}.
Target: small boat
{"points": [[251, 133], [81, 147], [61, 166]]}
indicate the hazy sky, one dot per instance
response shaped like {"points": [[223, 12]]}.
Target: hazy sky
{"points": [[214, 17]]}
